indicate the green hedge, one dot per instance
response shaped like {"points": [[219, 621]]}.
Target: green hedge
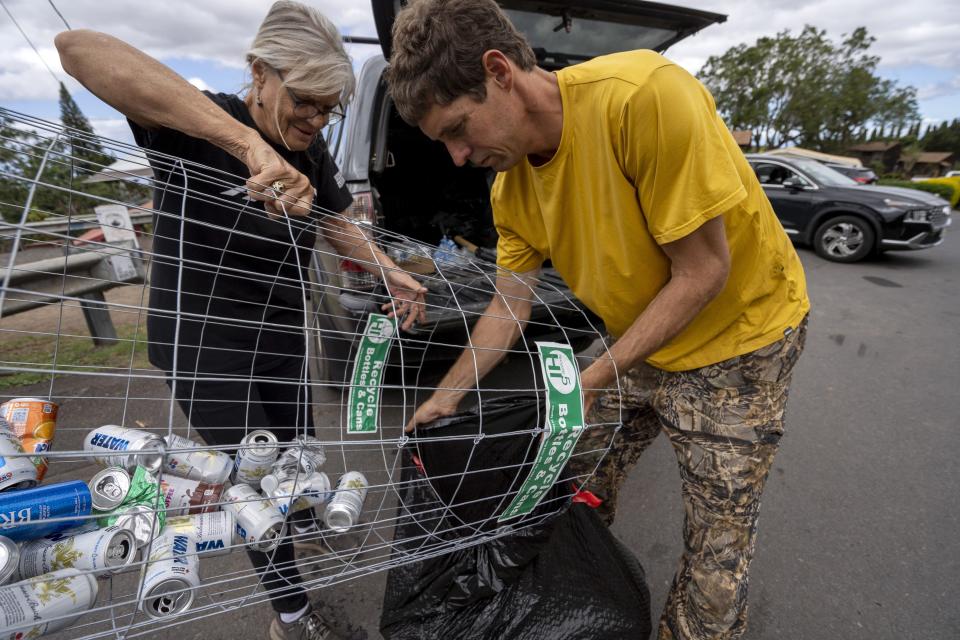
{"points": [[946, 191]]}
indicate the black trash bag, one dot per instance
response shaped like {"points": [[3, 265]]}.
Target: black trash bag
{"points": [[563, 576]]}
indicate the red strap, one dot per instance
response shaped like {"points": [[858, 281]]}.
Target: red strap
{"points": [[586, 497]]}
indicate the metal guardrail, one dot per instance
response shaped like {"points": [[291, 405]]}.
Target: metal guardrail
{"points": [[63, 225], [82, 276]]}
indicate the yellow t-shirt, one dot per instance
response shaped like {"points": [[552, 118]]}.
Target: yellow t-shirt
{"points": [[644, 160]]}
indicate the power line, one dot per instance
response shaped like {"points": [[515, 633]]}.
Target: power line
{"points": [[59, 14], [25, 37]]}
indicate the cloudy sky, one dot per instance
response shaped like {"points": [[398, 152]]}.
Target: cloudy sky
{"points": [[205, 40]]}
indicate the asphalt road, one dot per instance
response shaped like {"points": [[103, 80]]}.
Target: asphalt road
{"points": [[858, 528]]}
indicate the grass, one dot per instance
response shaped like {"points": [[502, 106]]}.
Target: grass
{"points": [[76, 353]]}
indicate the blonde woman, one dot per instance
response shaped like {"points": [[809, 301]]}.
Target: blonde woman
{"points": [[227, 273]]}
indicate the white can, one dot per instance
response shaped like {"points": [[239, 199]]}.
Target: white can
{"points": [[46, 603], [14, 465], [305, 454], [9, 560], [129, 448], [343, 510], [100, 551], [255, 457], [172, 575], [259, 523], [186, 497], [141, 521], [307, 492], [214, 533], [212, 467]]}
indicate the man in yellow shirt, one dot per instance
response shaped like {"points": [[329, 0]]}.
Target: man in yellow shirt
{"points": [[620, 172]]}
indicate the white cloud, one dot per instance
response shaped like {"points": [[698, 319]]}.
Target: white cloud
{"points": [[200, 84], [921, 32], [113, 128], [940, 89]]}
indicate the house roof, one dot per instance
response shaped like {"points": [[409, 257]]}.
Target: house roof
{"points": [[869, 147], [934, 157], [742, 137]]}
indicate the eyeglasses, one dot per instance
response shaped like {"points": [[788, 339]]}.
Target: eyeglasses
{"points": [[306, 109]]}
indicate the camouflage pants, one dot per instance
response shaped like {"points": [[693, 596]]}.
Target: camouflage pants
{"points": [[724, 422]]}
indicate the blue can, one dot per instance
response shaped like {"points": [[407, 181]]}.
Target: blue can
{"points": [[26, 514]]}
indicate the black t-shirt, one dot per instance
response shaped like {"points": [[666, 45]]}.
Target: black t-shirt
{"points": [[240, 290]]}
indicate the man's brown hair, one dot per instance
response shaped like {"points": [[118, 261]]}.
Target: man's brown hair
{"points": [[438, 46]]}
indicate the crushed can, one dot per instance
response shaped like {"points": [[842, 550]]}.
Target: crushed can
{"points": [[100, 551], [34, 422], [294, 495], [16, 469], [141, 510], [260, 525], [256, 454], [343, 510], [47, 603], [172, 575], [182, 496], [115, 446], [212, 467], [142, 521]]}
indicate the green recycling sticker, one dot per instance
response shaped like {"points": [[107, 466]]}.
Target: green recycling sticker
{"points": [[564, 424], [363, 405]]}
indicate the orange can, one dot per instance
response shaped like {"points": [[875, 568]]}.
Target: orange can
{"points": [[34, 421]]}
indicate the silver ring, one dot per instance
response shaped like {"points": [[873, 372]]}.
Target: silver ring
{"points": [[278, 186]]}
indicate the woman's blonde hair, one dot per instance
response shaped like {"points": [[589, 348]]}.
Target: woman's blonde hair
{"points": [[306, 47]]}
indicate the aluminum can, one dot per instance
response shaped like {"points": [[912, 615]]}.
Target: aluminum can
{"points": [[213, 467], [28, 514], [259, 523], [141, 521], [34, 421], [172, 575], [9, 559], [16, 470], [109, 487], [186, 497], [343, 510], [100, 551], [34, 607], [130, 447], [304, 456], [255, 457], [213, 532], [307, 492]]}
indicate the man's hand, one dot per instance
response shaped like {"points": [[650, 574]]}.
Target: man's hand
{"points": [[267, 168], [594, 380], [438, 406], [408, 303]]}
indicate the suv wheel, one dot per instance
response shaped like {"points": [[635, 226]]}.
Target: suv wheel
{"points": [[844, 239]]}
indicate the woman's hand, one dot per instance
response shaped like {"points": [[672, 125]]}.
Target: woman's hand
{"points": [[408, 303], [273, 181]]}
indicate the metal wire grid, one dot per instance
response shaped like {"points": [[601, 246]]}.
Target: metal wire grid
{"points": [[135, 395]]}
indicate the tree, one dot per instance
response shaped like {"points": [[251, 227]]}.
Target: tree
{"points": [[72, 155], [86, 151], [945, 137], [805, 89]]}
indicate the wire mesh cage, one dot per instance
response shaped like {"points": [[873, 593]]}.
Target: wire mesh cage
{"points": [[179, 389]]}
